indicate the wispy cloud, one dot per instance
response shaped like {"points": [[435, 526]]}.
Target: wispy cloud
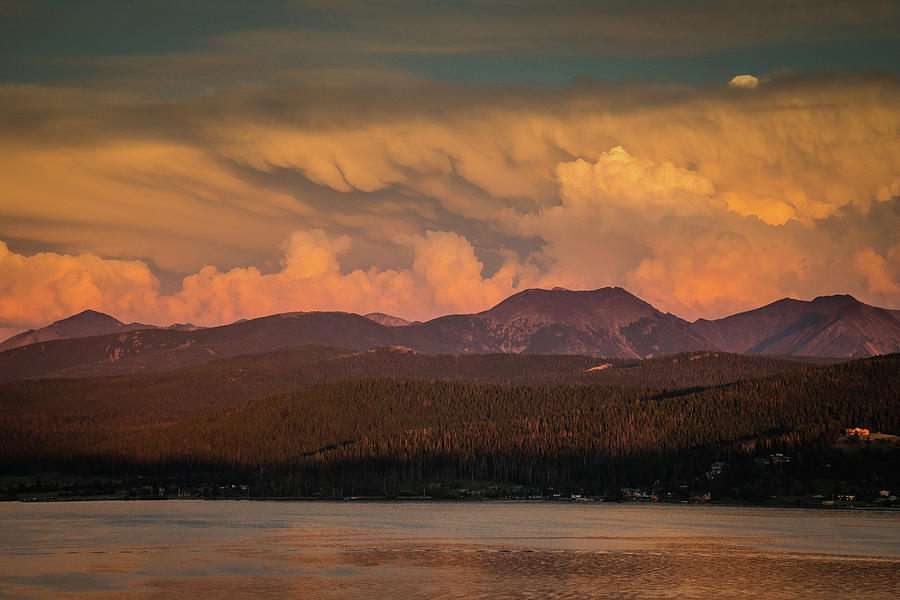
{"points": [[437, 198], [186, 48]]}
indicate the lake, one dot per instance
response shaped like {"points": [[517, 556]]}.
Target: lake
{"points": [[492, 549]]}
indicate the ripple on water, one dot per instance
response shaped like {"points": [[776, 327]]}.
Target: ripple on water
{"points": [[443, 551]]}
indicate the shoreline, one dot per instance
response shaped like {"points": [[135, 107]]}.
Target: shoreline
{"points": [[430, 500]]}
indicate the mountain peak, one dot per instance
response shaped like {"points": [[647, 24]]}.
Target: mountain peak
{"points": [[560, 303], [843, 297], [838, 325], [608, 321], [836, 301], [84, 324], [87, 316]]}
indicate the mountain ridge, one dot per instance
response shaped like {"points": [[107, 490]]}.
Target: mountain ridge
{"points": [[608, 322], [837, 325], [84, 324]]}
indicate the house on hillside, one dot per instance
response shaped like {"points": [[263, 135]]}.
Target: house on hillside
{"points": [[779, 459], [715, 469]]}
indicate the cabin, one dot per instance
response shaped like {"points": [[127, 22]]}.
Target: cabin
{"points": [[779, 459]]}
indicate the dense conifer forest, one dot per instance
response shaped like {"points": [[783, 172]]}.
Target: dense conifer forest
{"points": [[317, 421], [152, 398]]}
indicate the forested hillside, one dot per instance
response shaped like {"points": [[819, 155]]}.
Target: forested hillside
{"points": [[373, 434], [151, 398]]}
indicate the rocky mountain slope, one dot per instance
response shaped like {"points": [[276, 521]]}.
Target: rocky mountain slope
{"points": [[608, 322], [84, 324], [827, 326]]}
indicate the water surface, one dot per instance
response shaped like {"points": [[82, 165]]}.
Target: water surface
{"points": [[194, 549]]}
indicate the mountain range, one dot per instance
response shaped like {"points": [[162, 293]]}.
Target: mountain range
{"points": [[608, 322]]}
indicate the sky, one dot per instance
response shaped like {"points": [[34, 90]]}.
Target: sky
{"points": [[199, 161]]}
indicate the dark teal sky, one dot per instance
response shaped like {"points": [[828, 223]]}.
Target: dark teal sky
{"points": [[711, 67], [192, 45]]}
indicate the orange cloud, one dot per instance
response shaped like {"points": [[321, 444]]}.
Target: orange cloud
{"points": [[47, 286], [445, 277], [660, 231], [703, 201], [874, 268], [167, 196], [445, 262], [770, 154], [618, 177]]}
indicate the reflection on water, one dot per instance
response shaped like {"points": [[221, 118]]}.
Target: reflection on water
{"points": [[442, 550]]}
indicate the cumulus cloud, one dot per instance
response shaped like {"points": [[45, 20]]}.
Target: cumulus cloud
{"points": [[704, 201], [454, 278], [660, 231], [874, 268], [445, 276], [618, 177], [655, 228], [46, 286]]}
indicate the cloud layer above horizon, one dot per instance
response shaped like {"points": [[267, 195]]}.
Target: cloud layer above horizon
{"points": [[375, 186]]}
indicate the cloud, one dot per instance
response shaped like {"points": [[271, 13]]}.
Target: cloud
{"points": [[660, 231], [888, 191], [771, 154], [337, 31], [655, 228], [618, 177], [704, 201], [445, 276], [873, 267], [47, 286], [744, 81], [454, 279]]}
